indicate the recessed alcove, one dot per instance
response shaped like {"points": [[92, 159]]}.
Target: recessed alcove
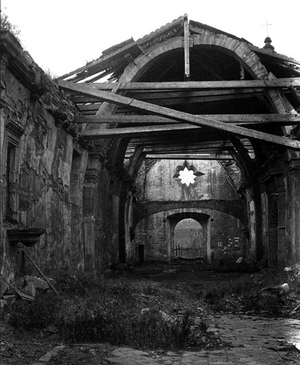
{"points": [[27, 236]]}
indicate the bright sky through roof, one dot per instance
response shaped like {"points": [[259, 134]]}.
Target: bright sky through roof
{"points": [[62, 35]]}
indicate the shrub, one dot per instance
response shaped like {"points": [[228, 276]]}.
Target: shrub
{"points": [[5, 24]]}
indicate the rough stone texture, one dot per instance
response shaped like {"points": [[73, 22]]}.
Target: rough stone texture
{"points": [[42, 179]]}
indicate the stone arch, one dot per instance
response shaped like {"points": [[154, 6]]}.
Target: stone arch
{"points": [[173, 218], [239, 49], [234, 208]]}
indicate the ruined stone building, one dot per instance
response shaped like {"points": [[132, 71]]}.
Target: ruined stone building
{"points": [[185, 142]]}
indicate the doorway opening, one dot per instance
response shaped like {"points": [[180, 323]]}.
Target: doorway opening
{"points": [[188, 239]]}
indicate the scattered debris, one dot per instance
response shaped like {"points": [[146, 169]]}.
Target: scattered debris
{"points": [[40, 271], [278, 289], [18, 292], [295, 309], [25, 288]]}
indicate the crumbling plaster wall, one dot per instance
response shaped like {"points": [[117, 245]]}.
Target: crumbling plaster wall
{"points": [[158, 183], [42, 188]]}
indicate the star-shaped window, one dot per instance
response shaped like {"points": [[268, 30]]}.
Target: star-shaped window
{"points": [[187, 176]]}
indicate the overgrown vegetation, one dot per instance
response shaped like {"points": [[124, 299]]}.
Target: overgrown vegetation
{"points": [[117, 310], [246, 295], [5, 24], [134, 311]]}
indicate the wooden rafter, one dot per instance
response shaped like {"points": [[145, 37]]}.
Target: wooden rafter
{"points": [[175, 97], [185, 156], [281, 119], [176, 150], [177, 115], [199, 85], [136, 131]]}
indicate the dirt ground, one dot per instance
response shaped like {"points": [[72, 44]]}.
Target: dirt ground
{"points": [[20, 347]]}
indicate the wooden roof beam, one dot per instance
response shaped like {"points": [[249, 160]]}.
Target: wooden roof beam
{"points": [[183, 100], [281, 119], [198, 85], [184, 156], [190, 149], [180, 116]]}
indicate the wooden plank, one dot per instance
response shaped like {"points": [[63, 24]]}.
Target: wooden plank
{"points": [[185, 156], [168, 150], [180, 116], [40, 271], [154, 96], [281, 119], [198, 85], [135, 131], [18, 292], [200, 99], [182, 147], [193, 94], [181, 97], [186, 46]]}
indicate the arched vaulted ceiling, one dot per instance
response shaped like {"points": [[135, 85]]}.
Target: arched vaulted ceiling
{"points": [[188, 90]]}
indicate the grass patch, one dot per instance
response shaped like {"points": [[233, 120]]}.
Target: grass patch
{"points": [[245, 296], [131, 311], [136, 313]]}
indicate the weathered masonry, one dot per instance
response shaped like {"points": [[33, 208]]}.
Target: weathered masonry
{"points": [[94, 164]]}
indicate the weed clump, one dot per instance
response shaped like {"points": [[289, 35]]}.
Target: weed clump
{"points": [[37, 315], [118, 326]]}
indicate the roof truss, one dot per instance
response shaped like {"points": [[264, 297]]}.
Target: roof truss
{"points": [[182, 117]]}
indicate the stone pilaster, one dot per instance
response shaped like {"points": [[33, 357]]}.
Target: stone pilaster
{"points": [[294, 170]]}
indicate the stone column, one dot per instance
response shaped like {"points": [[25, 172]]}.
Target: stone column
{"points": [[208, 240], [294, 170], [281, 232], [89, 209]]}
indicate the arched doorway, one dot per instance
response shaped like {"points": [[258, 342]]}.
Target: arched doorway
{"points": [[198, 227], [188, 239]]}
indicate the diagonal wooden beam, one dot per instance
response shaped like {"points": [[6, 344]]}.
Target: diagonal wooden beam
{"points": [[281, 119], [177, 115]]}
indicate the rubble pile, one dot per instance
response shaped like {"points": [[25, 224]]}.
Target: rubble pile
{"points": [[26, 287]]}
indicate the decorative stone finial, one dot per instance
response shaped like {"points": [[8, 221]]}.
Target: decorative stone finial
{"points": [[268, 46]]}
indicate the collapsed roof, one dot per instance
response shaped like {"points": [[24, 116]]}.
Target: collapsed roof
{"points": [[201, 91]]}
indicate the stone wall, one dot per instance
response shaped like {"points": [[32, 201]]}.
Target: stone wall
{"points": [[161, 182], [42, 168]]}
